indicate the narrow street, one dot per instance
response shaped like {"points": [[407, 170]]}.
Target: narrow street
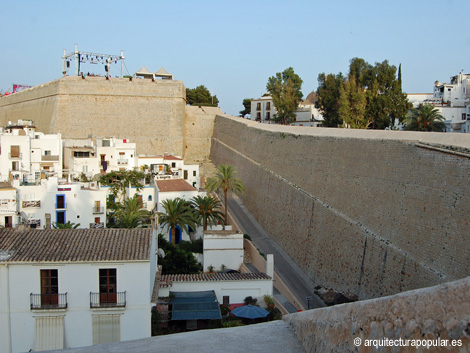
{"points": [[286, 268]]}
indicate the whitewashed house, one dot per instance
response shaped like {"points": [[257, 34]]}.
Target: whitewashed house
{"points": [[116, 154], [8, 206], [262, 109], [26, 153], [222, 249], [64, 288], [56, 201], [80, 157]]}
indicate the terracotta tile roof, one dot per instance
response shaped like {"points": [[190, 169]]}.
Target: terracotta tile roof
{"points": [[174, 185], [172, 158], [167, 280], [77, 245]]}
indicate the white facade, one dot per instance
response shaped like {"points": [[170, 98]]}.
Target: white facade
{"points": [[79, 316], [263, 109], [8, 207], [25, 153], [51, 202], [80, 157], [222, 250], [116, 154]]}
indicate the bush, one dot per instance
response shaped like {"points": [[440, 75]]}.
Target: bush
{"points": [[246, 236], [195, 246]]}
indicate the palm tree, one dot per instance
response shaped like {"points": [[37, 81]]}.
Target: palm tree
{"points": [[206, 210], [130, 213], [425, 118], [225, 179], [177, 213], [67, 225]]}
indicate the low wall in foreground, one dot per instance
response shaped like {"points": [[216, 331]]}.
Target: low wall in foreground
{"points": [[439, 315]]}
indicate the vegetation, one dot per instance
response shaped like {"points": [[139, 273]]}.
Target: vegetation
{"points": [[177, 260], [130, 214], [247, 107], [177, 213], [225, 179], [425, 118], [118, 181], [201, 96], [284, 88], [206, 210], [66, 225], [369, 97]]}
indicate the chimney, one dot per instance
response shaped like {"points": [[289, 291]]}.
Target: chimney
{"points": [[270, 265]]}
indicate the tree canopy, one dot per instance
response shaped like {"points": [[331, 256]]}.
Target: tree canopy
{"points": [[118, 181], [206, 210], [177, 213], [247, 105], [130, 213], [200, 96], [369, 97], [425, 118], [225, 179], [284, 88]]}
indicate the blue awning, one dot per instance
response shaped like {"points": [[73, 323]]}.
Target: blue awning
{"points": [[194, 306]]}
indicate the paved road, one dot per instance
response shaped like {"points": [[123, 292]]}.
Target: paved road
{"points": [[286, 268]]}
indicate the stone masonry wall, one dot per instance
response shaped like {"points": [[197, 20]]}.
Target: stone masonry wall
{"points": [[370, 212], [438, 317], [151, 114]]}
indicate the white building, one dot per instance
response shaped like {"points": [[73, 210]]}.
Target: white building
{"points": [[8, 206], [116, 154], [80, 157], [263, 110], [25, 153], [54, 201], [72, 288], [452, 100], [222, 249]]}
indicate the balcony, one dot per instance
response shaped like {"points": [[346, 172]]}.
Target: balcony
{"points": [[49, 158], [108, 300], [98, 210], [99, 225], [15, 155], [48, 301], [122, 161]]}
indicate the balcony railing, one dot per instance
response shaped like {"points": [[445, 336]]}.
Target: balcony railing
{"points": [[108, 300], [49, 158], [96, 225], [98, 210], [48, 301]]}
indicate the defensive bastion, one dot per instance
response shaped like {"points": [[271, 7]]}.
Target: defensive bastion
{"points": [[373, 213], [370, 212]]}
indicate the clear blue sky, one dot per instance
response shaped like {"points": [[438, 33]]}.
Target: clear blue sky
{"points": [[233, 47]]}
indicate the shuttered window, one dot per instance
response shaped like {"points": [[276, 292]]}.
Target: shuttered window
{"points": [[106, 328], [49, 333]]}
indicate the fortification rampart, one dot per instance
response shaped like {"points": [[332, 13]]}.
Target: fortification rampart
{"points": [[435, 319], [370, 212], [150, 113]]}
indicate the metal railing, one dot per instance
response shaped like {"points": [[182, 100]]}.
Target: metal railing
{"points": [[98, 210], [48, 301], [108, 300]]}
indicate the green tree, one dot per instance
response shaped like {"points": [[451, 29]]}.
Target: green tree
{"points": [[67, 225], [352, 105], [284, 88], [247, 105], [177, 213], [207, 211], [118, 181], [225, 179], [328, 94], [200, 96], [176, 259], [425, 118], [131, 214]]}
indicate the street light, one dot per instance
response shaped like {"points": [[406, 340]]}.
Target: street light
{"points": [[308, 301]]}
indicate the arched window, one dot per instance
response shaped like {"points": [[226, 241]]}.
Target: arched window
{"points": [[150, 198]]}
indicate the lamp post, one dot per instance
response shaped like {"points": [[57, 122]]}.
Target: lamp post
{"points": [[308, 301]]}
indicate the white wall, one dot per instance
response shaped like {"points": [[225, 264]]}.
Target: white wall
{"points": [[77, 280], [222, 248]]}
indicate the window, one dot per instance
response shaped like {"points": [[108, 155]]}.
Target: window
{"points": [[106, 143], [108, 285], [15, 166], [49, 288], [14, 151], [173, 165], [268, 105], [268, 115], [464, 116], [185, 175], [60, 201], [258, 106], [81, 154], [194, 173], [47, 153], [106, 328], [150, 198], [60, 217]]}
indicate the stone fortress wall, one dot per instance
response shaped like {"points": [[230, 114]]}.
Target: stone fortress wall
{"points": [[151, 114], [370, 212]]}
